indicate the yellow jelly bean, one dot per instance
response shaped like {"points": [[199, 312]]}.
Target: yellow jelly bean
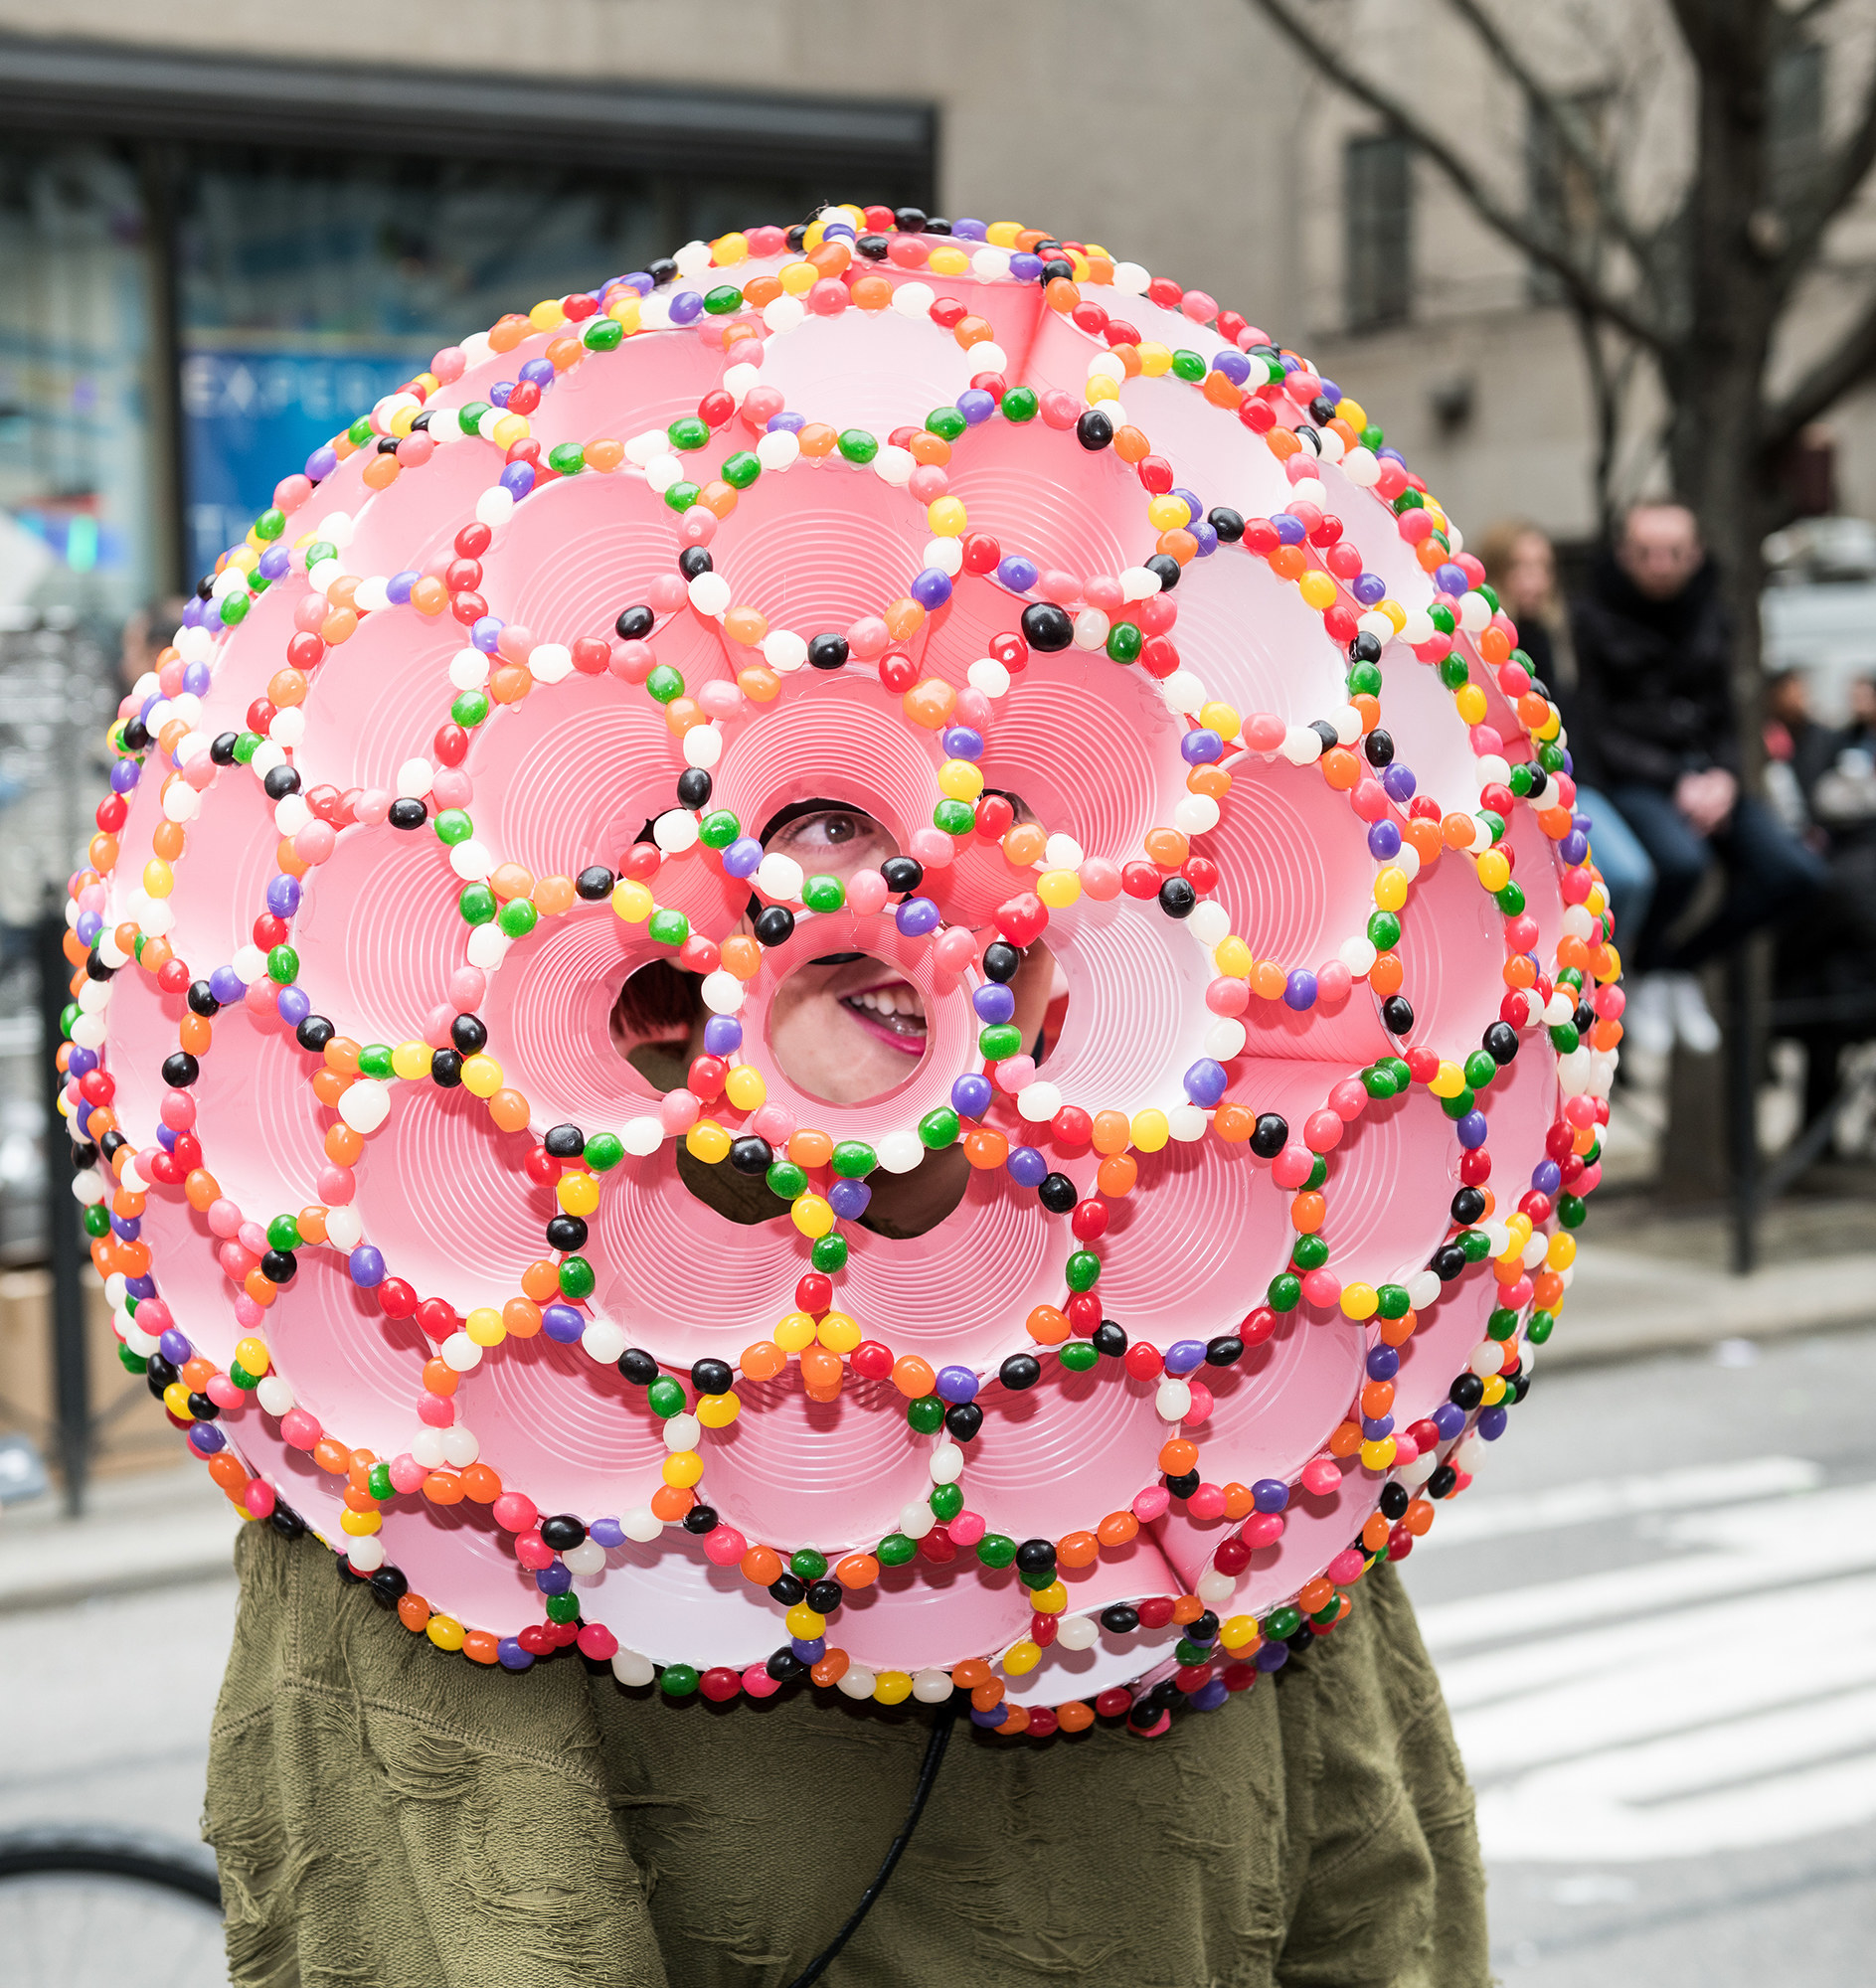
{"points": [[1377, 1455], [707, 1141], [1353, 412], [159, 879], [632, 901], [1003, 233], [745, 1088], [625, 312], [892, 1688], [1168, 513], [446, 1632], [1562, 1252], [578, 1193], [1050, 1601], [805, 1622], [731, 247], [839, 1333], [176, 1401], [1317, 589], [510, 429], [359, 1523], [948, 263], [1057, 887], [1155, 358], [1493, 1393], [1232, 957], [484, 1326], [716, 1411], [794, 1332], [1390, 889], [1221, 718], [1469, 702], [1149, 1130], [960, 780], [1394, 613], [1447, 1081], [799, 277], [410, 1060], [683, 1468], [481, 1075], [254, 1357], [1021, 1657], [812, 1214], [1360, 1301], [546, 315], [1101, 387], [947, 517], [1238, 1631]]}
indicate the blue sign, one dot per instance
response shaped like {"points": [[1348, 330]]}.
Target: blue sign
{"points": [[250, 418]]}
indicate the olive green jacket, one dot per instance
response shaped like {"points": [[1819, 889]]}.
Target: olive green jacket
{"points": [[390, 1817]]}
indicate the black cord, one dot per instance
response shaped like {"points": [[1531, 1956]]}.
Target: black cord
{"points": [[928, 1773]]}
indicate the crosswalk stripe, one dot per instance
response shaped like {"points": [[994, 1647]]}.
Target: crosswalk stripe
{"points": [[1467, 1520], [1763, 1548]]}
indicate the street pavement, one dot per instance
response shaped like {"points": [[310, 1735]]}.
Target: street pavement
{"points": [[1655, 1613], [1652, 1613]]}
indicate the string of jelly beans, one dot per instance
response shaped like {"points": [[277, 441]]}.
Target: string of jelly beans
{"points": [[1277, 1617]]}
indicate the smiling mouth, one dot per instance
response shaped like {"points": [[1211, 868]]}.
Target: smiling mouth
{"points": [[894, 1011]]}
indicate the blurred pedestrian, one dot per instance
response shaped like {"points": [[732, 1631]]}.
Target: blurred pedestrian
{"points": [[148, 632], [1521, 564], [1798, 751], [1656, 731]]}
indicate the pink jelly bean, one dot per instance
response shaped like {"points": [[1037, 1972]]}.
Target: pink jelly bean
{"points": [[866, 892], [1101, 879]]}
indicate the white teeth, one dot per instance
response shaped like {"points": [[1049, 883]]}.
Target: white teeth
{"points": [[895, 1001]]}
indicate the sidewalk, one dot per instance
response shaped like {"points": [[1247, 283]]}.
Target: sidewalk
{"points": [[150, 1529], [1651, 1282], [1647, 1284]]}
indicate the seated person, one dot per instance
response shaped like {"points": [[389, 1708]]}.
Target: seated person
{"points": [[1655, 730]]}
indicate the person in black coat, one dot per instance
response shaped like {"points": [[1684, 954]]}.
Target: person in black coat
{"points": [[1653, 727]]}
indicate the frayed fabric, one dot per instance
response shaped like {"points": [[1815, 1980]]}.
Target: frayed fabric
{"points": [[388, 1816]]}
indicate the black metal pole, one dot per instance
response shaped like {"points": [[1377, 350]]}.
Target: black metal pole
{"points": [[65, 1246], [1742, 1104]]}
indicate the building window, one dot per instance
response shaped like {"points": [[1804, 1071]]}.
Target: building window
{"points": [[1795, 112], [1562, 196], [1378, 247]]}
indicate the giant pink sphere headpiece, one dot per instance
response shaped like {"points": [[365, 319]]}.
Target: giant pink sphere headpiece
{"points": [[465, 734]]}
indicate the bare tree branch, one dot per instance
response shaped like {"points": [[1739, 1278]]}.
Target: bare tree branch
{"points": [[1566, 120], [1581, 283], [1852, 361]]}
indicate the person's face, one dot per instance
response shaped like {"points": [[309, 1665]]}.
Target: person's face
{"points": [[1863, 701], [1660, 550], [1530, 578], [845, 1028], [1789, 700]]}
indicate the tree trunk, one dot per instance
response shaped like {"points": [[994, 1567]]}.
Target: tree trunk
{"points": [[1715, 379]]}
